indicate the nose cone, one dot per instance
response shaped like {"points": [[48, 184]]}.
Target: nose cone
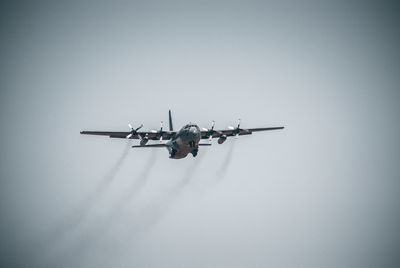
{"points": [[194, 131]]}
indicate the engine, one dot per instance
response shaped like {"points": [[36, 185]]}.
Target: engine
{"points": [[222, 139], [144, 141]]}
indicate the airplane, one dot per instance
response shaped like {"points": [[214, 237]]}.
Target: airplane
{"points": [[179, 143]]}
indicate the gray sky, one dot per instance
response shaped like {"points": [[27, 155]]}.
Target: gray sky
{"points": [[322, 193]]}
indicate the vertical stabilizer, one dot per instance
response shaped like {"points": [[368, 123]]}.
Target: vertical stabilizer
{"points": [[171, 128]]}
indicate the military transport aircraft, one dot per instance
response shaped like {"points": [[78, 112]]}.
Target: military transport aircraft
{"points": [[180, 143]]}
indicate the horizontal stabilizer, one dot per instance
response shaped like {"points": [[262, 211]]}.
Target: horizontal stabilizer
{"points": [[150, 145], [265, 128]]}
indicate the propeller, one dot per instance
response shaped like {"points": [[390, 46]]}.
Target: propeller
{"points": [[211, 131], [236, 130], [160, 132], [133, 131]]}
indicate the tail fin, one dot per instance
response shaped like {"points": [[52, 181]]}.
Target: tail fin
{"points": [[171, 128]]}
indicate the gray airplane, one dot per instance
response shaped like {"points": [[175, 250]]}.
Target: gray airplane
{"points": [[179, 143]]}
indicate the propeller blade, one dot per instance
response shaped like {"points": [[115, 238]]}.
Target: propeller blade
{"points": [[230, 127], [210, 138], [212, 125], [236, 136], [205, 129], [130, 126], [239, 122], [139, 127], [129, 136], [161, 139], [153, 131]]}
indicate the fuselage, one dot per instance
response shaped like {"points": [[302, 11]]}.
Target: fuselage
{"points": [[185, 141]]}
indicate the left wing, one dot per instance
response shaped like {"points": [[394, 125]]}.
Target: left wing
{"points": [[151, 135]]}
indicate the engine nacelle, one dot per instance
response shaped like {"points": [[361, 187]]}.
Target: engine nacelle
{"points": [[222, 139], [144, 141]]}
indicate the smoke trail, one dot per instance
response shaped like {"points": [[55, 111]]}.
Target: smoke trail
{"points": [[101, 189], [188, 175], [153, 214], [77, 249], [221, 172], [95, 231], [137, 185], [110, 176], [133, 189], [144, 220], [76, 218]]}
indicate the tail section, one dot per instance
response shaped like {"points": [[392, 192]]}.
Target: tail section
{"points": [[171, 128]]}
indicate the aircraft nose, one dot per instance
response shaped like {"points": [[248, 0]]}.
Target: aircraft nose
{"points": [[194, 130]]}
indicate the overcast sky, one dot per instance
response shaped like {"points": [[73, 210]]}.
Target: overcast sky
{"points": [[324, 192]]}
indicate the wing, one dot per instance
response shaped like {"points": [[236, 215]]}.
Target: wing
{"points": [[233, 132], [166, 135]]}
